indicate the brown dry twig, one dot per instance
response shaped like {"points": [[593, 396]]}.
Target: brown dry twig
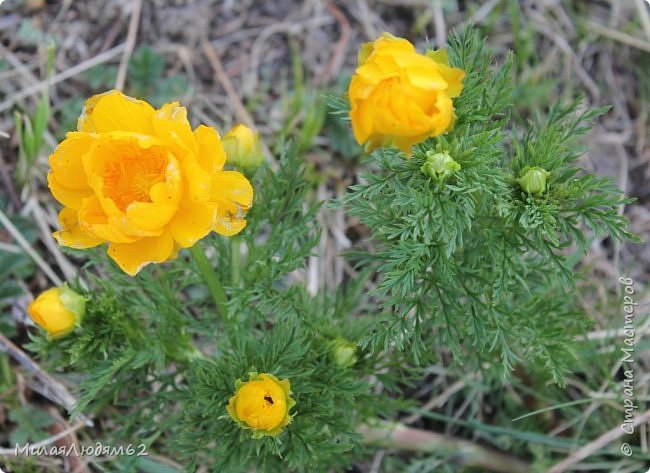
{"points": [[24, 244], [62, 76], [129, 45], [54, 390], [240, 110], [618, 36], [395, 435], [338, 56], [593, 447]]}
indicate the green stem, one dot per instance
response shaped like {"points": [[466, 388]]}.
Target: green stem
{"points": [[235, 260], [6, 370], [211, 280]]}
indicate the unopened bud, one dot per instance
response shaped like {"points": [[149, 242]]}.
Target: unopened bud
{"points": [[439, 165], [242, 146], [533, 179], [58, 310], [344, 353]]}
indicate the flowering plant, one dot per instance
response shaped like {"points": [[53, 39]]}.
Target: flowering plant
{"points": [[143, 181], [223, 356]]}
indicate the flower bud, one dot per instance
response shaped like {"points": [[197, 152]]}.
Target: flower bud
{"points": [[261, 404], [533, 179], [57, 310], [242, 147], [439, 165], [344, 353]]}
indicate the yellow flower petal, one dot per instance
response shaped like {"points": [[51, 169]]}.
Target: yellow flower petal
{"points": [[230, 220], [197, 181], [50, 313], [66, 162], [171, 121], [426, 76], [68, 197], [95, 222], [365, 51], [212, 156], [444, 114], [193, 221], [439, 55], [234, 195], [154, 215], [388, 44], [454, 78], [114, 111], [132, 257], [71, 234], [148, 216]]}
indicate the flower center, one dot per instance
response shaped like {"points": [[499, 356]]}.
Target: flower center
{"points": [[130, 178]]}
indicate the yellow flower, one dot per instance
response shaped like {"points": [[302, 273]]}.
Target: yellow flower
{"points": [[144, 182], [399, 97], [262, 404], [242, 147], [57, 310]]}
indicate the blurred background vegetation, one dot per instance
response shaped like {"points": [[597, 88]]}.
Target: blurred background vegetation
{"points": [[269, 64]]}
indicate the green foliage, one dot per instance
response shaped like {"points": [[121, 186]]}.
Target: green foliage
{"points": [[322, 432], [136, 345], [102, 76], [146, 78], [67, 113], [31, 129], [31, 423], [304, 110], [31, 33], [473, 260], [337, 128], [276, 249], [14, 266]]}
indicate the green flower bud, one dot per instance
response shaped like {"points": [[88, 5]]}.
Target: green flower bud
{"points": [[344, 353], [72, 301], [439, 165], [533, 179]]}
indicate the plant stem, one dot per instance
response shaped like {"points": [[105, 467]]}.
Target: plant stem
{"points": [[235, 260], [395, 435], [211, 280]]}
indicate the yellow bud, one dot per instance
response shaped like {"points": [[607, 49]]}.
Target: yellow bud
{"points": [[533, 179], [262, 404], [57, 310], [242, 147]]}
